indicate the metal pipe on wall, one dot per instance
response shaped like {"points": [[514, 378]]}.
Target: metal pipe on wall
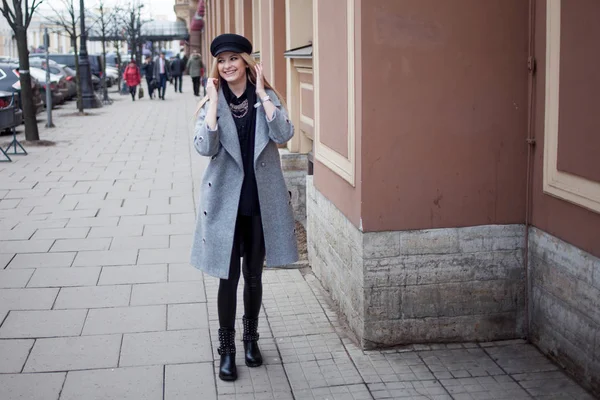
{"points": [[531, 66]]}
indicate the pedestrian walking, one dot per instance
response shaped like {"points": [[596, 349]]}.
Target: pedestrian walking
{"points": [[177, 68], [245, 209], [132, 77], [149, 72], [162, 71], [195, 68]]}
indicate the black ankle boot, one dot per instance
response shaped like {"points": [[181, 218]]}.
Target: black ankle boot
{"points": [[227, 368], [251, 350]]}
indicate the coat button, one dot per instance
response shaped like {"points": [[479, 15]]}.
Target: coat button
{"points": [[205, 213], [262, 164], [203, 240], [209, 184]]}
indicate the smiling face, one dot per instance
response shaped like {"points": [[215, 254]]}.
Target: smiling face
{"points": [[232, 67]]}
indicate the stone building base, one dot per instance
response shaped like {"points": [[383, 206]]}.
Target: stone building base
{"points": [[565, 305], [295, 167], [438, 285]]}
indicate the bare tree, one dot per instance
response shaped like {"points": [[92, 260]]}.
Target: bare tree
{"points": [[132, 25], [66, 17], [106, 24], [19, 15]]}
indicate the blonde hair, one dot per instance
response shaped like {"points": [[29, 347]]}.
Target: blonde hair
{"points": [[250, 62]]}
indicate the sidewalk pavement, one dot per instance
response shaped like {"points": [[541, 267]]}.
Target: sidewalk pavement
{"points": [[97, 300]]}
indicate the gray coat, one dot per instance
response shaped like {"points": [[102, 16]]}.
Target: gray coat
{"points": [[222, 184], [157, 68], [194, 65]]}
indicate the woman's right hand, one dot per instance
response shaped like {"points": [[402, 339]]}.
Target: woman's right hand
{"points": [[211, 89]]}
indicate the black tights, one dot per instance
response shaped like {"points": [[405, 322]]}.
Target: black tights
{"points": [[248, 242]]}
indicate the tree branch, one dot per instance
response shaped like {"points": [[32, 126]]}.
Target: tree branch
{"points": [[8, 14], [34, 6]]}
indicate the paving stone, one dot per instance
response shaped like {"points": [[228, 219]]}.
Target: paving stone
{"points": [[106, 258], [128, 194], [61, 233], [145, 220], [13, 354], [81, 244], [266, 382], [125, 320], [116, 231], [131, 209], [25, 246], [8, 203], [140, 242], [346, 392], [170, 347], [184, 241], [133, 274], [190, 382], [184, 272], [461, 363], [300, 325], [93, 297], [93, 221], [520, 358], [31, 386], [131, 383], [63, 277], [151, 256], [551, 385], [187, 316], [42, 260], [73, 215], [169, 229], [43, 323], [14, 278], [168, 293], [418, 390], [182, 219], [72, 353], [97, 204], [27, 299], [336, 371], [5, 259], [500, 386]]}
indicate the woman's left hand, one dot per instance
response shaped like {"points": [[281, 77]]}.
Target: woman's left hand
{"points": [[260, 79]]}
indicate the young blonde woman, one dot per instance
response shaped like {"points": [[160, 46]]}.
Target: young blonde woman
{"points": [[245, 209]]}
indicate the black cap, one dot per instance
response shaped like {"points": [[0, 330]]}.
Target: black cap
{"points": [[230, 42]]}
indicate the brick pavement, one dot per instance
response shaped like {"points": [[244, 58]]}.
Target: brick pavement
{"points": [[97, 300]]}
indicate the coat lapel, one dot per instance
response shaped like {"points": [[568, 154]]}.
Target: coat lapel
{"points": [[228, 130], [262, 129]]}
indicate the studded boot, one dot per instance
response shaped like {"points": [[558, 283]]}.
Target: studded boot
{"points": [[251, 350], [227, 368]]}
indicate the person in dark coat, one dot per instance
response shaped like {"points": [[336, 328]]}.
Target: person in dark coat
{"points": [[245, 209], [150, 79], [177, 68], [162, 73], [195, 69]]}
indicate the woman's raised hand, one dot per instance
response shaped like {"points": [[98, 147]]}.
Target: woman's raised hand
{"points": [[211, 89], [260, 79]]}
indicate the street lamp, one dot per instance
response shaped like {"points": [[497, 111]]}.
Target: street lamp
{"points": [[87, 91]]}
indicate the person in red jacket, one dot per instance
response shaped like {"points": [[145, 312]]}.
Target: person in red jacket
{"points": [[132, 77]]}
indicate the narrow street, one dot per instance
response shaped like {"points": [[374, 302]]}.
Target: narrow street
{"points": [[98, 301]]}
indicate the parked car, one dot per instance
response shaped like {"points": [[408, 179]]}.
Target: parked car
{"points": [[11, 114], [69, 61], [9, 82], [54, 85], [57, 69]]}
